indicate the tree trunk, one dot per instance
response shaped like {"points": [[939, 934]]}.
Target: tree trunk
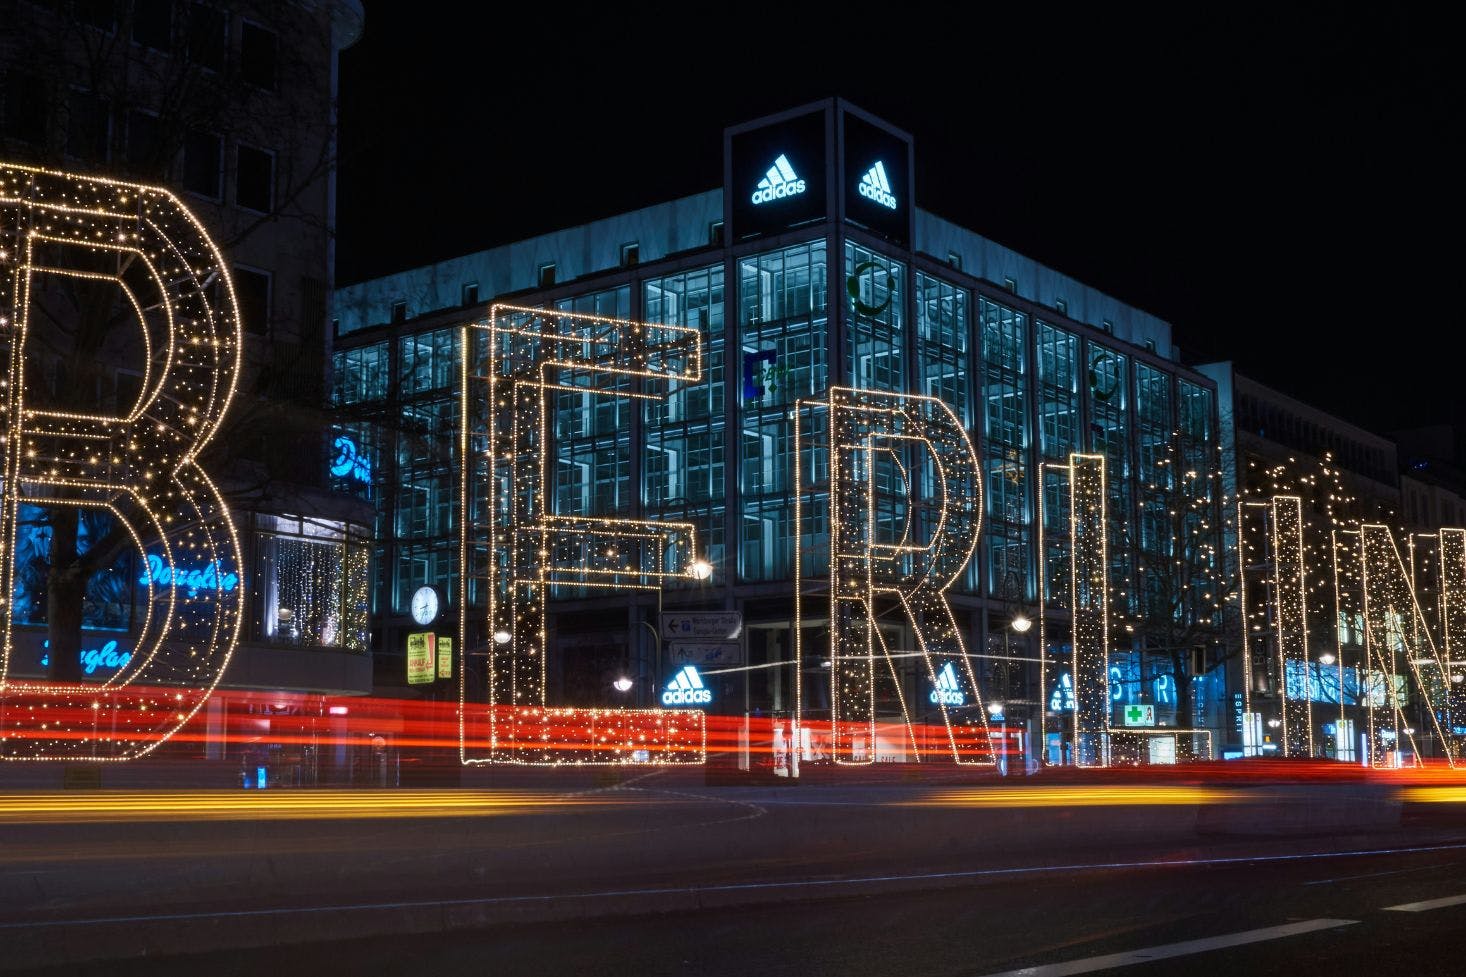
{"points": [[66, 586], [1185, 700]]}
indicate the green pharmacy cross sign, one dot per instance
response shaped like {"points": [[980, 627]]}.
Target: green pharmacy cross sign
{"points": [[1140, 715]]}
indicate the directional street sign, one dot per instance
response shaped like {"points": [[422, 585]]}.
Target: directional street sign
{"points": [[1139, 715], [710, 654], [719, 625]]}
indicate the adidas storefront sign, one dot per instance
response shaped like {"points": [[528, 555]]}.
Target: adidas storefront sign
{"points": [[948, 692], [686, 689], [780, 182], [874, 186]]}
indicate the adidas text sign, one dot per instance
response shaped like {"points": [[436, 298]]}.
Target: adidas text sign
{"points": [[686, 689], [779, 182], [948, 691], [875, 186]]}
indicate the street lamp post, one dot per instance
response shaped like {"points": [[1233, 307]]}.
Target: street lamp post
{"points": [[1019, 623]]}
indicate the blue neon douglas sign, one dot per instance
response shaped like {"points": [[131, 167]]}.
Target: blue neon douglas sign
{"points": [[350, 462], [108, 657], [159, 574]]}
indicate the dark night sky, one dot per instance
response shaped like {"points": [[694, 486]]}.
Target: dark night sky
{"points": [[1286, 192]]}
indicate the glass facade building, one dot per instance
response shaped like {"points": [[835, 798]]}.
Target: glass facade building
{"points": [[1035, 366]]}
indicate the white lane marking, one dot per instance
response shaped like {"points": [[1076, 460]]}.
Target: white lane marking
{"points": [[1420, 907], [1090, 964]]}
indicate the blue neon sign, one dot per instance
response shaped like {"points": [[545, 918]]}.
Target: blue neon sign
{"points": [[1062, 698], [350, 461], [754, 375], [108, 657], [1165, 690], [160, 574]]}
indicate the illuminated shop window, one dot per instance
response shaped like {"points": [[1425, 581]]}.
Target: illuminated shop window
{"points": [[109, 600], [311, 582]]}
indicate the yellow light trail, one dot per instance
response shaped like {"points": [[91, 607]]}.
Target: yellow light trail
{"points": [[1074, 796], [290, 805], [1433, 795]]}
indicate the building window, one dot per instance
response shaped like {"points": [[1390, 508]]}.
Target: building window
{"points": [[546, 276], [23, 110], [252, 288], [399, 311], [311, 582], [1062, 305], [206, 29], [152, 23], [87, 129], [257, 56], [470, 293], [630, 254], [144, 143], [954, 259], [109, 597], [255, 179], [715, 234], [201, 156], [1010, 284]]}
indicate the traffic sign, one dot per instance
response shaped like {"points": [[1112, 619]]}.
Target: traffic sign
{"points": [[705, 653], [720, 625], [1139, 715]]}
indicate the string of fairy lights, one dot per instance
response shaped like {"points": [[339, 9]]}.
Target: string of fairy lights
{"points": [[1088, 596], [1392, 618], [140, 465], [914, 570], [526, 353]]}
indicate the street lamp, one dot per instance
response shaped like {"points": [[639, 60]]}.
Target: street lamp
{"points": [[622, 684], [1327, 658], [1021, 623], [701, 569], [502, 637]]}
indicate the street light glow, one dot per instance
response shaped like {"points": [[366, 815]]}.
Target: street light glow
{"points": [[622, 684], [701, 569], [1021, 623], [502, 637]]}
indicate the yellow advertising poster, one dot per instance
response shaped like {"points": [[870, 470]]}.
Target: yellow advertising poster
{"points": [[420, 649], [445, 656]]}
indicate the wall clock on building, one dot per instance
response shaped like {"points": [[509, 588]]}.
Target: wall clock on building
{"points": [[425, 605]]}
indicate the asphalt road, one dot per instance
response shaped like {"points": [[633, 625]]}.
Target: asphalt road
{"points": [[666, 878], [1326, 916]]}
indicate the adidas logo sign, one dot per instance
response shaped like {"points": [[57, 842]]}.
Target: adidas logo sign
{"points": [[875, 186], [686, 689], [779, 183], [948, 692]]}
